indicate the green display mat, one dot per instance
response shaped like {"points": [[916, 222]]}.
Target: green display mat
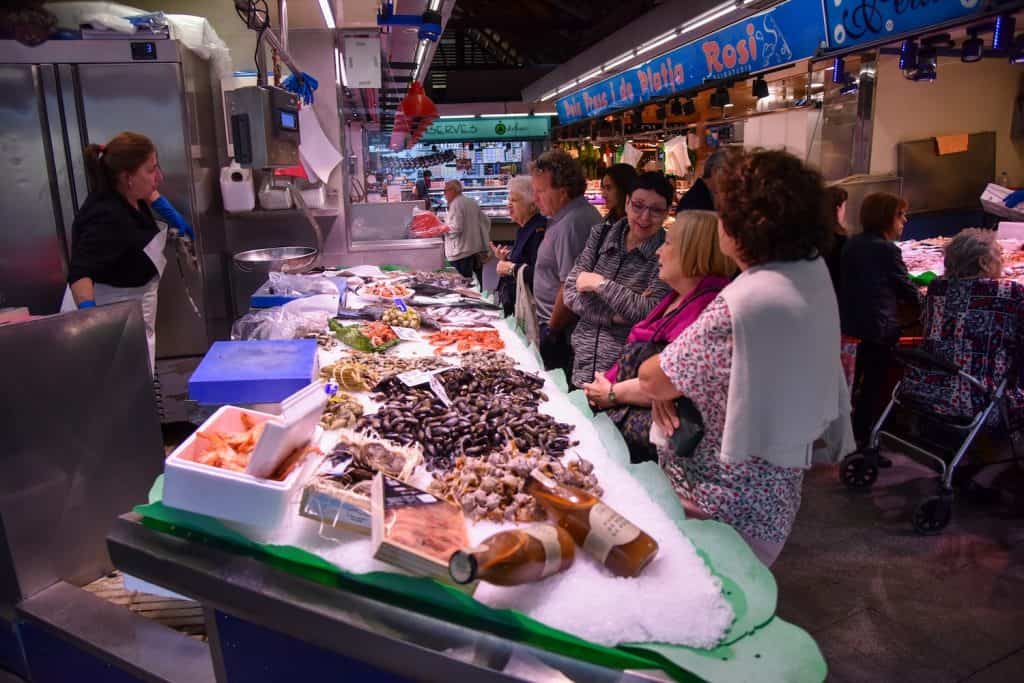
{"points": [[758, 645]]}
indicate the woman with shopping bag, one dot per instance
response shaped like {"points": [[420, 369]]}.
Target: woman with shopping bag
{"points": [[117, 248]]}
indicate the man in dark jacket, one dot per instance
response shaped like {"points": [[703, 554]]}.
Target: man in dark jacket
{"points": [[701, 195]]}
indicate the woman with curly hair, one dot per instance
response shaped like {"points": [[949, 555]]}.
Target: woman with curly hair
{"points": [[761, 364]]}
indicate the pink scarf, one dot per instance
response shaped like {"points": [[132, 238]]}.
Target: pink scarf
{"points": [[655, 328]]}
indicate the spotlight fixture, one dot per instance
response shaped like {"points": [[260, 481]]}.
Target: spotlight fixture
{"points": [[908, 54], [838, 70], [676, 107], [689, 107], [1002, 34], [760, 87], [1017, 51], [927, 61], [720, 98], [972, 47]]}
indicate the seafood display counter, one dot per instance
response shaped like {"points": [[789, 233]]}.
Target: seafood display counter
{"points": [[382, 556]]}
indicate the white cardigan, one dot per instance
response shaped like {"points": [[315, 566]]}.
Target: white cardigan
{"points": [[786, 384]]}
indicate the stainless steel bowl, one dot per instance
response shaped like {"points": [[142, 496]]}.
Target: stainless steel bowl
{"points": [[276, 259]]}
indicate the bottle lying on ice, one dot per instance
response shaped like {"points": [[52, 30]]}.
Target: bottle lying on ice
{"points": [[509, 558], [603, 533]]}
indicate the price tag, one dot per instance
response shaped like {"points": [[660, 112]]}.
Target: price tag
{"points": [[414, 378], [406, 333], [400, 305], [438, 389]]}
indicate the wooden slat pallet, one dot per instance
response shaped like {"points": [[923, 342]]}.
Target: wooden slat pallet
{"points": [[185, 616]]}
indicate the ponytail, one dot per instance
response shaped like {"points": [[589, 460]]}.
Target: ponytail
{"points": [[125, 153]]}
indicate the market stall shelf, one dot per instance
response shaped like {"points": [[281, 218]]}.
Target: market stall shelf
{"points": [[746, 587]]}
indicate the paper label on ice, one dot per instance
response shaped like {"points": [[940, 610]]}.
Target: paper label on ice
{"points": [[548, 537], [414, 377], [439, 391], [406, 333], [607, 529], [400, 305]]}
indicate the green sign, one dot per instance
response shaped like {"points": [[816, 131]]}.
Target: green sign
{"points": [[473, 129]]}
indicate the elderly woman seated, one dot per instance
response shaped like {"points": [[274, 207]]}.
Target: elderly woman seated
{"points": [[975, 318]]}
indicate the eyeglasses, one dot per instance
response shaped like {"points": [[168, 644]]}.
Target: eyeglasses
{"points": [[639, 208]]}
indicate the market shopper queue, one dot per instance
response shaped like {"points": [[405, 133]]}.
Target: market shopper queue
{"points": [[646, 322]]}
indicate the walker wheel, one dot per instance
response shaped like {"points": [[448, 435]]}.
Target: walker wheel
{"points": [[856, 472], [932, 515]]}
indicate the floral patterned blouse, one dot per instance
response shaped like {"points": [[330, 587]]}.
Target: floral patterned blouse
{"points": [[758, 499]]}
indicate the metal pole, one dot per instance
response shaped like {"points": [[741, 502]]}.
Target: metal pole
{"points": [[282, 21]]}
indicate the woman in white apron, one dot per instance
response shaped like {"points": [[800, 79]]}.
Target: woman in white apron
{"points": [[117, 248]]}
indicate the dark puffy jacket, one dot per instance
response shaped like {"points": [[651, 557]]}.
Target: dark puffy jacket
{"points": [[874, 282]]}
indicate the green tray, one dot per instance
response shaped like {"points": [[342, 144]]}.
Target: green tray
{"points": [[758, 645]]}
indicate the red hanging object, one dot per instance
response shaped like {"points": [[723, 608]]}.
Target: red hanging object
{"points": [[415, 114]]}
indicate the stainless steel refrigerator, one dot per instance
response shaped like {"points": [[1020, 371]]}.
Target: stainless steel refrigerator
{"points": [[60, 96]]}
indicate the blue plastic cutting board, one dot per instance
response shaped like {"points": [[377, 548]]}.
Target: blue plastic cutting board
{"points": [[243, 372]]}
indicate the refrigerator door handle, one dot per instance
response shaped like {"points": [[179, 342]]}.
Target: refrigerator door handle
{"points": [[75, 131], [58, 153]]}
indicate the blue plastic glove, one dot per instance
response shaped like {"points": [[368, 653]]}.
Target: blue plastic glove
{"points": [[163, 208], [1014, 198], [304, 89], [88, 303]]}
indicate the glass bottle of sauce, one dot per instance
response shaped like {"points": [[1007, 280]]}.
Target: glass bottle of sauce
{"points": [[603, 533], [517, 556]]}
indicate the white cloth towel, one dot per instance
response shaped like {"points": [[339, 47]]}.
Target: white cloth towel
{"points": [[786, 385], [677, 156], [630, 154]]}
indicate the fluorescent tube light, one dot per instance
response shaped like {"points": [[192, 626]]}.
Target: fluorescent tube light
{"points": [[697, 23], [656, 42], [325, 9]]}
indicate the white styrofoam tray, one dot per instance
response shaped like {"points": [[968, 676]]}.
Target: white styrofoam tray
{"points": [[233, 496]]}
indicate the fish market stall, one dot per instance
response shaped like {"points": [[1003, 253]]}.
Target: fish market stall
{"points": [[924, 258], [455, 512]]}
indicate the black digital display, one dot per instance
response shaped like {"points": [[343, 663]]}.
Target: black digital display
{"points": [[145, 50], [288, 120]]}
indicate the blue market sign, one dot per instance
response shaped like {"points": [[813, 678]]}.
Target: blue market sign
{"points": [[473, 129], [785, 33], [857, 22]]}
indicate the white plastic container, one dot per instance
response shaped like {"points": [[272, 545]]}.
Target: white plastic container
{"points": [[274, 196], [314, 196], [241, 496], [236, 189]]}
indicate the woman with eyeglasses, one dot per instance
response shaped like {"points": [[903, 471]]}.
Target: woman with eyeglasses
{"points": [[876, 301], [615, 283]]}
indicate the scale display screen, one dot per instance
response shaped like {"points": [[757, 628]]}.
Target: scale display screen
{"points": [[288, 120]]}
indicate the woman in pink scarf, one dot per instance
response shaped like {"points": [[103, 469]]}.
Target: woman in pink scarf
{"points": [[692, 264]]}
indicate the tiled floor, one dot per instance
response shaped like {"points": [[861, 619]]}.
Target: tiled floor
{"points": [[886, 604]]}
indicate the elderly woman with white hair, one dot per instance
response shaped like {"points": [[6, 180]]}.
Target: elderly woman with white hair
{"points": [[522, 255], [974, 317]]}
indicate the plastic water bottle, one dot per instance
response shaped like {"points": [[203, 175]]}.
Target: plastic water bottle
{"points": [[1004, 179]]}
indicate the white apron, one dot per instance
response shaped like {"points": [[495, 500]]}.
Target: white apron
{"points": [[146, 294]]}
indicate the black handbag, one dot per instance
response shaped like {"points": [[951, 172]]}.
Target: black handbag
{"points": [[635, 422]]}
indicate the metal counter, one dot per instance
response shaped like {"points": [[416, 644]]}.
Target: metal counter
{"points": [[267, 624]]}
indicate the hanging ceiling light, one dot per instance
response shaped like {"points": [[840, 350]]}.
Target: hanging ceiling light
{"points": [[676, 107], [720, 98], [760, 87], [1002, 34], [1017, 51], [972, 48], [908, 54], [927, 62], [689, 107], [838, 70]]}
